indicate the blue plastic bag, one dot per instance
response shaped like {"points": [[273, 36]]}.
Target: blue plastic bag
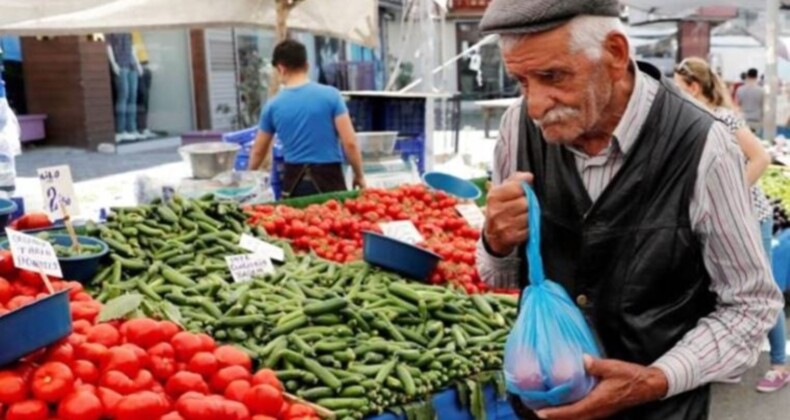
{"points": [[544, 351]]}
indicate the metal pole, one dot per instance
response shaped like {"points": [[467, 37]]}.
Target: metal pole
{"points": [[771, 71]]}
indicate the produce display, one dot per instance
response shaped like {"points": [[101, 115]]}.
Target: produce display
{"points": [[66, 251], [132, 370], [776, 185], [333, 230]]}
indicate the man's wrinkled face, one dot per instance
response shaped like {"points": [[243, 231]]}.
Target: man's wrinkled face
{"points": [[566, 91]]}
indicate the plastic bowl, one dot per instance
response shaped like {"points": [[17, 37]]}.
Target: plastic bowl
{"points": [[452, 185], [81, 268], [7, 208], [400, 257], [34, 326]]}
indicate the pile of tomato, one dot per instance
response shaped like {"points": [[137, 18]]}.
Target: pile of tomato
{"points": [[333, 230], [140, 369]]}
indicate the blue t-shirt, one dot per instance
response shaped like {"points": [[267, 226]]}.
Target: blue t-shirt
{"points": [[303, 117]]}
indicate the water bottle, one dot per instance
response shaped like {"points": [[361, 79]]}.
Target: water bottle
{"points": [[9, 143]]}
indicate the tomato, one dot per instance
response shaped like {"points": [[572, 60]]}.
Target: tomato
{"points": [[162, 367], [144, 332], [30, 278], [6, 290], [52, 381], [13, 388], [299, 410], [206, 343], [204, 363], [85, 310], [7, 267], [80, 406], [85, 371], [168, 329], [264, 399], [19, 301], [183, 382], [267, 377], [118, 382], [234, 410], [93, 352], [231, 356], [173, 415], [62, 352], [142, 405], [236, 390], [162, 350], [28, 410], [143, 381], [109, 400], [186, 345], [123, 360], [224, 376], [141, 354]]}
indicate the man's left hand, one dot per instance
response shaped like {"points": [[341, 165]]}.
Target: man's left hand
{"points": [[621, 385]]}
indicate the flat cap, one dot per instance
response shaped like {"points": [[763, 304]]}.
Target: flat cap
{"points": [[531, 16]]}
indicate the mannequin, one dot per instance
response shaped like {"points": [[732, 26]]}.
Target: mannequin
{"points": [[126, 70], [144, 86]]}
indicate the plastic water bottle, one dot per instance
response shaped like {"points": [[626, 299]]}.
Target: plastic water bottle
{"points": [[9, 143]]}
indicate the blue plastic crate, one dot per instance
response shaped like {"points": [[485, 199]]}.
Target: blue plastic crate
{"points": [[242, 162], [244, 138], [361, 112], [406, 116], [413, 148]]}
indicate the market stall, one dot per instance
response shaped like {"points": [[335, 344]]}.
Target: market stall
{"points": [[279, 290]]}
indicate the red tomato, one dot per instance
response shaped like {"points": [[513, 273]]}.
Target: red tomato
{"points": [[123, 360], [144, 332], [7, 267], [104, 334], [183, 382], [231, 356], [203, 363], [13, 388], [264, 399], [28, 410], [62, 352], [6, 290], [236, 390], [85, 371], [168, 330], [224, 376], [93, 352], [109, 400], [142, 405], [52, 381], [267, 377]]}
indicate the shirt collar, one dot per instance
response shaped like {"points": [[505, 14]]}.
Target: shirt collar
{"points": [[632, 120]]}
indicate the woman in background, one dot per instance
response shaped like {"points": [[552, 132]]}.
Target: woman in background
{"points": [[695, 77]]}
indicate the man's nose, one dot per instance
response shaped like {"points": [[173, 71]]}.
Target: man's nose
{"points": [[539, 102]]}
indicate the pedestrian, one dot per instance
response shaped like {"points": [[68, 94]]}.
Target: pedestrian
{"points": [[313, 123], [645, 218], [695, 77], [750, 99]]}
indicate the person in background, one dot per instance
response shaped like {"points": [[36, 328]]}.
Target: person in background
{"points": [[750, 99], [696, 78], [313, 123]]}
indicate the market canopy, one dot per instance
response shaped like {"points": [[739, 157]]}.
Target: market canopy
{"points": [[673, 7], [355, 21]]}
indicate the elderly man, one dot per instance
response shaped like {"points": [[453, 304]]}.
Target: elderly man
{"points": [[646, 218]]}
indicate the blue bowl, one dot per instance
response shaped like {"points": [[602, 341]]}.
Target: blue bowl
{"points": [[34, 326], [452, 185], [7, 208], [400, 257], [81, 268]]}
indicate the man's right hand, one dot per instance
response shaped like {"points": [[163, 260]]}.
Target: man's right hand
{"points": [[507, 215]]}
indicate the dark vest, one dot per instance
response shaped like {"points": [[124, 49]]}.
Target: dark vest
{"points": [[631, 259]]}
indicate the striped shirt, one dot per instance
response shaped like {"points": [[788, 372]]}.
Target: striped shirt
{"points": [[726, 343]]}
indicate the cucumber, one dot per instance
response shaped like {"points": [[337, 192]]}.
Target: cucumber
{"points": [[327, 307]]}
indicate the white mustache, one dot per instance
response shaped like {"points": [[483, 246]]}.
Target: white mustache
{"points": [[559, 114]]}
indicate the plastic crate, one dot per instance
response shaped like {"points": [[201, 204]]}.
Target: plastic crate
{"points": [[406, 116], [361, 112], [413, 148], [244, 138], [242, 162]]}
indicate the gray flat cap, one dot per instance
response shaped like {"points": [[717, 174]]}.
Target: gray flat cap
{"points": [[531, 16]]}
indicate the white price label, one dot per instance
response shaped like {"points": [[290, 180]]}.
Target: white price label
{"points": [[245, 267], [403, 230], [472, 214], [257, 246], [57, 189], [34, 254]]}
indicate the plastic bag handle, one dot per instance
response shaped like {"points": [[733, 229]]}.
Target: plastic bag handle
{"points": [[536, 274]]}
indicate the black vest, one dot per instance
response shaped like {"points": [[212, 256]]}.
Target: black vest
{"points": [[630, 259]]}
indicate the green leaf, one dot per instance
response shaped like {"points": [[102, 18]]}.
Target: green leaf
{"points": [[171, 313], [120, 307]]}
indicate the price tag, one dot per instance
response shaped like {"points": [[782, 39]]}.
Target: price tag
{"points": [[403, 230], [245, 267], [34, 254], [257, 246], [472, 214], [58, 190]]}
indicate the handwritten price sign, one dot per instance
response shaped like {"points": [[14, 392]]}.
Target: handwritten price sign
{"points": [[34, 254], [57, 189], [246, 267], [403, 230]]}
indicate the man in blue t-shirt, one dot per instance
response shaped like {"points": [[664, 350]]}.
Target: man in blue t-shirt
{"points": [[313, 124]]}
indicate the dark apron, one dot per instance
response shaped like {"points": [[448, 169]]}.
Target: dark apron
{"points": [[308, 179]]}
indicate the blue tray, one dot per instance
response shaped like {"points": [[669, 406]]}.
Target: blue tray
{"points": [[400, 257], [452, 185], [81, 268], [7, 208], [34, 326]]}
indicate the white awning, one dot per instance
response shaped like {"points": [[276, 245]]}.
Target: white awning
{"points": [[355, 21]]}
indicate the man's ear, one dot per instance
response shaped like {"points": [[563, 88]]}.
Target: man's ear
{"points": [[618, 54]]}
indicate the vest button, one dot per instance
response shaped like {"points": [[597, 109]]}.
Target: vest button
{"points": [[582, 300]]}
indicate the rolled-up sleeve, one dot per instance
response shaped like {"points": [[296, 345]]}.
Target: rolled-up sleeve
{"points": [[502, 272], [726, 343]]}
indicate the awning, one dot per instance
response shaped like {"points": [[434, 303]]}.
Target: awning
{"points": [[355, 21], [674, 7]]}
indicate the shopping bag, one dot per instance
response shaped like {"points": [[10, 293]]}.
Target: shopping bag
{"points": [[544, 350], [780, 261]]}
